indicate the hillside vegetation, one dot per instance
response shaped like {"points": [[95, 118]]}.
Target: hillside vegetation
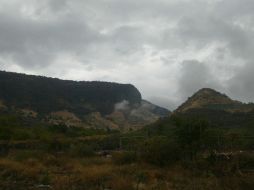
{"points": [[173, 153]]}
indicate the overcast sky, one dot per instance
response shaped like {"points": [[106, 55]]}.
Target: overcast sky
{"points": [[167, 48]]}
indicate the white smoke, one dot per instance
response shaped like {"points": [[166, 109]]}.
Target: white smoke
{"points": [[122, 106]]}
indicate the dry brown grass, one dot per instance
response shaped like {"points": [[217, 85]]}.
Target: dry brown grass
{"points": [[97, 173], [29, 170], [123, 183]]}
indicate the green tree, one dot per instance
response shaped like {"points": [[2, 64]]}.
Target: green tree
{"points": [[191, 135]]}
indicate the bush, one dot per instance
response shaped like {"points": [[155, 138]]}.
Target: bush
{"points": [[124, 157], [56, 145], [122, 183], [160, 151], [5, 133], [22, 155], [82, 150], [246, 161]]}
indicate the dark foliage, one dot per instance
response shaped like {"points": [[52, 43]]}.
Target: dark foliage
{"points": [[49, 94], [160, 151], [221, 118]]}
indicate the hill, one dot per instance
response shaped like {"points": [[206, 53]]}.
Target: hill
{"points": [[209, 98], [218, 108]]}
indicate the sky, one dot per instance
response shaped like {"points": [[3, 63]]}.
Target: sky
{"points": [[167, 48]]}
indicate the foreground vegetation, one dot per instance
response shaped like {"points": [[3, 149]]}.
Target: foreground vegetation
{"points": [[27, 171], [176, 153]]}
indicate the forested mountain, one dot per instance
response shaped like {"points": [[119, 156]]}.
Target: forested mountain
{"points": [[75, 102], [45, 95]]}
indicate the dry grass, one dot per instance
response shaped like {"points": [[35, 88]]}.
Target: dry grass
{"points": [[97, 173], [29, 170]]}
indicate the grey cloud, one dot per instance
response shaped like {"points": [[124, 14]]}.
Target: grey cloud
{"points": [[165, 101], [57, 5], [242, 86], [234, 8], [32, 43], [127, 40], [195, 75], [113, 40]]}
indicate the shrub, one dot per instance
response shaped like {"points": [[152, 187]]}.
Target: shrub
{"points": [[122, 183], [22, 155], [160, 151], [141, 177], [45, 178], [124, 157], [95, 176], [82, 150], [246, 161]]}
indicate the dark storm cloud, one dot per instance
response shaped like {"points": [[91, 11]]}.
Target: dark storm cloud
{"points": [[167, 48]]}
